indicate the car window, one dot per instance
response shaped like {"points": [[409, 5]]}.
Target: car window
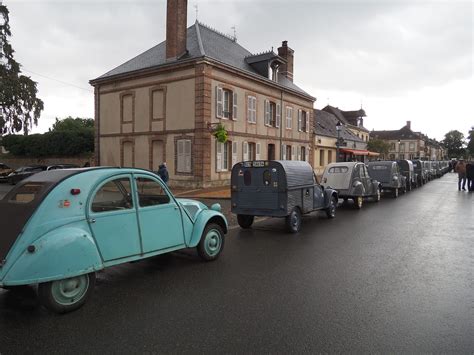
{"points": [[151, 193], [379, 167], [27, 193], [338, 170], [114, 195]]}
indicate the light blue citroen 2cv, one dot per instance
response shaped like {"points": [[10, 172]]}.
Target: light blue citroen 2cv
{"points": [[58, 228]]}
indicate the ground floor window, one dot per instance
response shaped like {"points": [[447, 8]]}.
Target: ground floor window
{"points": [[223, 156], [183, 156], [288, 152], [271, 152], [329, 156]]}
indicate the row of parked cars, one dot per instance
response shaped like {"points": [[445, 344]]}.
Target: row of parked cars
{"points": [[290, 189], [13, 176]]}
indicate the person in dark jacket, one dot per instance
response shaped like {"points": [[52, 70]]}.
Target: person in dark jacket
{"points": [[470, 176], [461, 170], [163, 173]]}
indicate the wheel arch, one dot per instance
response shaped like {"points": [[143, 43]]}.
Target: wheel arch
{"points": [[204, 218]]}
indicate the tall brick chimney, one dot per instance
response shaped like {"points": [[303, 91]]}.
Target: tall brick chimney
{"points": [[409, 124], [288, 54], [176, 22]]}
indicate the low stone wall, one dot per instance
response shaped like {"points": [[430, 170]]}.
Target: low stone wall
{"points": [[16, 162]]}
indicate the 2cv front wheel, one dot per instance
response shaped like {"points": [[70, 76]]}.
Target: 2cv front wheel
{"points": [[212, 242], [331, 210], [67, 295]]}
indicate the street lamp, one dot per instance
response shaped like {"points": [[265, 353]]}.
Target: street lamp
{"points": [[338, 129]]}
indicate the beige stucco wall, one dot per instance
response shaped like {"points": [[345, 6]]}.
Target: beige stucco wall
{"points": [[325, 144]]}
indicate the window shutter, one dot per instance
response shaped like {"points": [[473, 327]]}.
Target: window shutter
{"points": [[257, 151], [249, 108], [307, 154], [299, 120], [234, 106], [267, 112], [307, 121], [219, 156], [283, 152], [299, 152], [187, 156], [219, 104], [179, 155], [254, 109], [278, 115], [293, 152], [245, 151], [234, 153]]}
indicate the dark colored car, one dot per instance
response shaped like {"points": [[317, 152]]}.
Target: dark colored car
{"points": [[278, 188], [407, 170], [5, 170], [388, 175], [420, 171], [24, 172]]}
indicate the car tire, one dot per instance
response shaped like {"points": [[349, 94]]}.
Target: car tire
{"points": [[293, 220], [331, 210], [66, 295], [212, 242], [395, 192], [245, 221], [358, 202]]}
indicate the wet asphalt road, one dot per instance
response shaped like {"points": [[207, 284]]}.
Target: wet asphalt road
{"points": [[396, 276]]}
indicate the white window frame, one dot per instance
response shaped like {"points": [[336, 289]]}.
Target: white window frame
{"points": [[278, 115], [267, 112], [222, 156], [300, 117]]}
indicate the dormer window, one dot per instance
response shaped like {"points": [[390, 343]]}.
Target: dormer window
{"points": [[273, 71]]}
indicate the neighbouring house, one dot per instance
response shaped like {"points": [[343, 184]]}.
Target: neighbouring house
{"points": [[351, 146], [407, 144], [354, 120], [164, 105]]}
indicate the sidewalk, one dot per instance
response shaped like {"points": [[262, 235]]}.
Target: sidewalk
{"points": [[220, 193]]}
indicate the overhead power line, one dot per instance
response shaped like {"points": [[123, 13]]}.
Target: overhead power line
{"points": [[59, 81]]}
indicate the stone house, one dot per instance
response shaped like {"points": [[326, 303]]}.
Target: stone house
{"points": [[164, 104], [407, 144], [354, 120]]}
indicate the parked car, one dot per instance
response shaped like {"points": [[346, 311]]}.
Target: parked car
{"points": [[407, 170], [283, 188], [62, 166], [352, 181], [60, 227], [428, 170], [420, 171], [389, 175], [24, 172], [5, 170], [435, 172]]}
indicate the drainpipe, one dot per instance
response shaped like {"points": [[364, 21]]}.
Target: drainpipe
{"points": [[281, 124]]}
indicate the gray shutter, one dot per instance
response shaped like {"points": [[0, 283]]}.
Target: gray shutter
{"points": [[219, 103], [234, 106], [278, 115]]}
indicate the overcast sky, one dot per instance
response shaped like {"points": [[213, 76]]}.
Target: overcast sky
{"points": [[402, 60]]}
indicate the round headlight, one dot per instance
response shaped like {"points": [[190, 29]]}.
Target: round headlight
{"points": [[216, 207]]}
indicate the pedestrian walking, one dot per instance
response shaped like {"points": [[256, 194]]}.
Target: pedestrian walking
{"points": [[163, 173], [470, 176], [461, 170]]}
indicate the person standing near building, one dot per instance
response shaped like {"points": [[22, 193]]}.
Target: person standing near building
{"points": [[470, 176], [163, 173], [461, 170]]}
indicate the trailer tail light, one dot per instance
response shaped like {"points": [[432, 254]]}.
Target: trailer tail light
{"points": [[75, 192]]}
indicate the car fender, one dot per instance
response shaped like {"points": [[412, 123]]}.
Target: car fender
{"points": [[358, 188], [59, 254], [328, 194], [202, 219]]}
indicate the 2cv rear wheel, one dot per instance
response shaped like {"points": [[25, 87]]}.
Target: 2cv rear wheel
{"points": [[212, 242], [62, 296], [293, 220], [331, 210], [245, 221]]}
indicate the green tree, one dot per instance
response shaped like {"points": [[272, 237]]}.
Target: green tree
{"points": [[470, 145], [453, 142], [379, 146], [19, 106], [72, 124]]}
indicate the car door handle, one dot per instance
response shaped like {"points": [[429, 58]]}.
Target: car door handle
{"points": [[91, 220]]}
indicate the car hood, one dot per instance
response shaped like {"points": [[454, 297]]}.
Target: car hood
{"points": [[192, 207]]}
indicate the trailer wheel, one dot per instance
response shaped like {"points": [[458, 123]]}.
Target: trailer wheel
{"points": [[67, 295], [293, 220], [245, 221]]}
